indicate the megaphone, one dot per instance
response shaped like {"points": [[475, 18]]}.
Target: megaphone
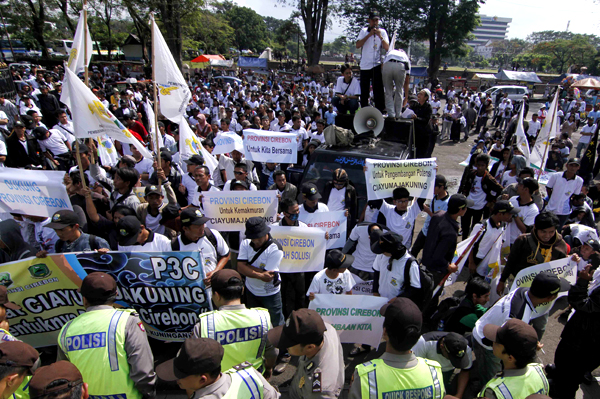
{"points": [[368, 119]]}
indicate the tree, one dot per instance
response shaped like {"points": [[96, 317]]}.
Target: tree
{"points": [[506, 50], [392, 14], [63, 6], [104, 10], [211, 31], [446, 24], [250, 30], [32, 15]]}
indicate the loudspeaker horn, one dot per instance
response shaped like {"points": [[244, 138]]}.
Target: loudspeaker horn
{"points": [[368, 119]]}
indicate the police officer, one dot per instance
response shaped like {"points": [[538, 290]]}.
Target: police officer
{"points": [[241, 331], [58, 380], [109, 346], [399, 370], [197, 370], [320, 371], [451, 351], [515, 343], [18, 360]]}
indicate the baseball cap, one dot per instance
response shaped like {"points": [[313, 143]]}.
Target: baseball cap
{"points": [[239, 183], [196, 356], [546, 284], [152, 189], [18, 354], [374, 14], [195, 160], [19, 124], [335, 259], [128, 229], [574, 160], [591, 242], [387, 242], [43, 381], [192, 216], [310, 192], [62, 219], [456, 345], [4, 299], [519, 338], [403, 320], [225, 278], [504, 207], [256, 227], [304, 326], [441, 180], [98, 285], [165, 155], [458, 202]]}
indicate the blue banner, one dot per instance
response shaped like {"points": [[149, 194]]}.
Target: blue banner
{"points": [[166, 288]]}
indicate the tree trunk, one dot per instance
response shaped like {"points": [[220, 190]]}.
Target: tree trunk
{"points": [[64, 8], [170, 12], [314, 15], [38, 18]]}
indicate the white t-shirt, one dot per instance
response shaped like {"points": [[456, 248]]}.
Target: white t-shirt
{"points": [[227, 186], [533, 128], [2, 152], [144, 166], [401, 224], [337, 199], [508, 180], [527, 215], [435, 105], [208, 253], [302, 135], [477, 194], [55, 143], [196, 201], [153, 223], [155, 243], [587, 129], [562, 190], [269, 260], [321, 207], [371, 49], [347, 89], [190, 185], [490, 237], [45, 237], [391, 281], [363, 256], [322, 284], [429, 350]]}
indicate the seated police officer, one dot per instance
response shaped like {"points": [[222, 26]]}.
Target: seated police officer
{"points": [[515, 343], [109, 346], [241, 331], [399, 372], [197, 370]]}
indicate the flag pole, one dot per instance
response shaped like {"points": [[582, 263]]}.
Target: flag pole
{"points": [[155, 94], [543, 164], [78, 152]]}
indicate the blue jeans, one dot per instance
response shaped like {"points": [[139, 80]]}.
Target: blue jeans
{"points": [[272, 303], [351, 104]]}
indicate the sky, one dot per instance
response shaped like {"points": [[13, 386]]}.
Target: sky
{"points": [[527, 15]]}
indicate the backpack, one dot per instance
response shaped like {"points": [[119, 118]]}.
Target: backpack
{"points": [[444, 312], [207, 233], [338, 136], [427, 283], [91, 240]]}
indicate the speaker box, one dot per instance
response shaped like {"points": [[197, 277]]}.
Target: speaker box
{"points": [[397, 131], [345, 121]]}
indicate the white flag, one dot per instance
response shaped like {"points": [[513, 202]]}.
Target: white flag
{"points": [[522, 142], [90, 118], [189, 144], [107, 151], [173, 91], [77, 62], [152, 126], [462, 252], [539, 153]]}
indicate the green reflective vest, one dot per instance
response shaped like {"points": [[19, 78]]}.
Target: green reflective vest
{"points": [[242, 332], [533, 381], [95, 343], [245, 383], [23, 391], [379, 381]]}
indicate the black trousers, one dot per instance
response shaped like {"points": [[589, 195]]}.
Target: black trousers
{"points": [[419, 244], [573, 358], [293, 292], [374, 75], [470, 219]]}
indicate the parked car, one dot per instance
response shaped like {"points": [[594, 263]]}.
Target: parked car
{"points": [[515, 93]]}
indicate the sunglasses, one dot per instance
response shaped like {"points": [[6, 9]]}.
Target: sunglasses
{"points": [[238, 173]]}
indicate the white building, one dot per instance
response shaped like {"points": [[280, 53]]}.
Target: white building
{"points": [[491, 29]]}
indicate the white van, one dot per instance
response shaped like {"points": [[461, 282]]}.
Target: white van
{"points": [[515, 93]]}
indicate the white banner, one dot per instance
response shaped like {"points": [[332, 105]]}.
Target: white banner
{"points": [[417, 176], [173, 91], [227, 142], [562, 268], [522, 142], [362, 288], [539, 152], [544, 178], [355, 317], [229, 210], [303, 249], [91, 118], [33, 192], [332, 222], [77, 61], [261, 146], [462, 251]]}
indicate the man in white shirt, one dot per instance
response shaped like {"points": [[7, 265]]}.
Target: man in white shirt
{"points": [[586, 136], [371, 39], [301, 136], [534, 127], [54, 146], [134, 237], [202, 178], [396, 72], [311, 200], [560, 188], [523, 221], [65, 126], [259, 260], [280, 125], [400, 217], [359, 245]]}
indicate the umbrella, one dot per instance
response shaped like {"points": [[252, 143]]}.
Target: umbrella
{"points": [[588, 83], [207, 58]]}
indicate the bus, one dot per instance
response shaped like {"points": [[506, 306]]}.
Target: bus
{"points": [[18, 48]]}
